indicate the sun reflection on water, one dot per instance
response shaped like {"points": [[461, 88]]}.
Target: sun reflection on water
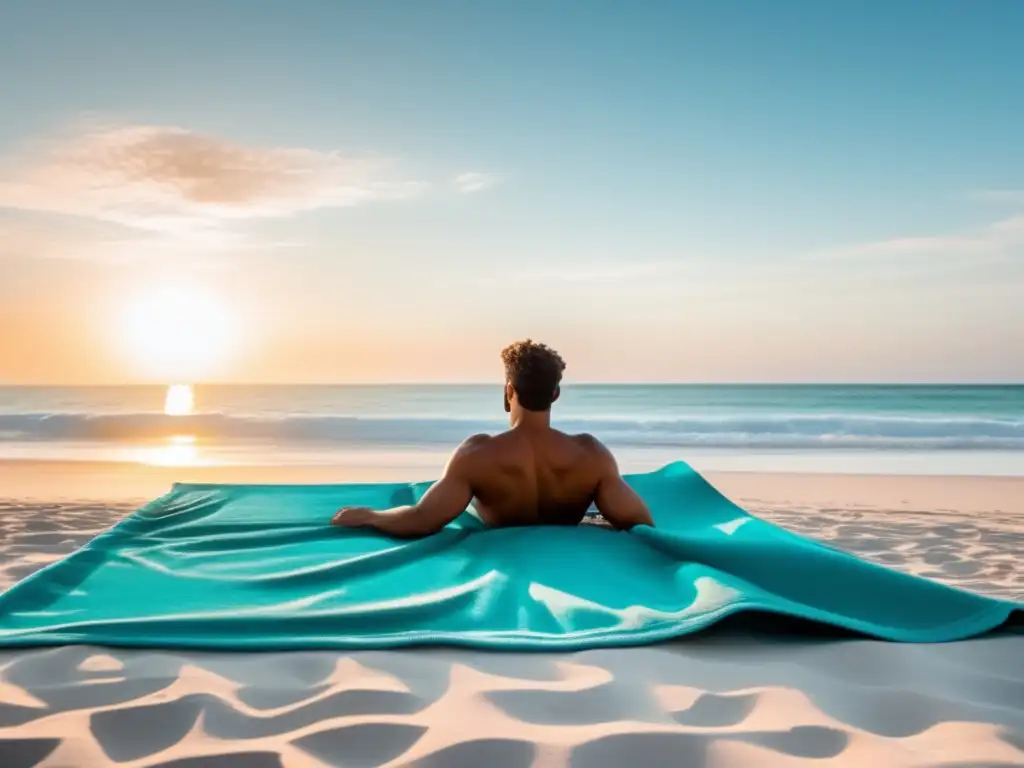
{"points": [[180, 400], [178, 450]]}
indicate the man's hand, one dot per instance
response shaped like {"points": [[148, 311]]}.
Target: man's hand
{"points": [[353, 517], [443, 502]]}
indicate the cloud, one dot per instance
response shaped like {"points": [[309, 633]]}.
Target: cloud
{"points": [[903, 246], [617, 276], [473, 181], [999, 196], [176, 181], [995, 238], [1011, 229]]}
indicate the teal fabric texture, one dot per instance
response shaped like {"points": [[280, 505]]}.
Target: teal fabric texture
{"points": [[260, 568]]}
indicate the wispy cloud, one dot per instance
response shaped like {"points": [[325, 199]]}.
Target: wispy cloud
{"points": [[47, 237], [176, 181], [474, 181], [616, 275], [999, 196], [995, 238], [1010, 230], [910, 246]]}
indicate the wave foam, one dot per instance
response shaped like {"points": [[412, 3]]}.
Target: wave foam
{"points": [[832, 431]]}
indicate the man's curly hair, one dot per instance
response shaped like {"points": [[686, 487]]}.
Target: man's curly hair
{"points": [[534, 371]]}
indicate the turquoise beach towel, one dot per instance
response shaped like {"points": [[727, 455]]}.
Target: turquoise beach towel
{"points": [[259, 568]]}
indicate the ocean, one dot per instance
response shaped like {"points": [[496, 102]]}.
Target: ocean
{"points": [[962, 430]]}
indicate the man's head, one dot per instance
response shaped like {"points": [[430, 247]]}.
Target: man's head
{"points": [[532, 375]]}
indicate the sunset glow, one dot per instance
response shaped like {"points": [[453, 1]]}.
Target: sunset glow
{"points": [[178, 333], [209, 213]]}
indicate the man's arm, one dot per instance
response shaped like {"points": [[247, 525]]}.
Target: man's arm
{"points": [[443, 502], [619, 504]]}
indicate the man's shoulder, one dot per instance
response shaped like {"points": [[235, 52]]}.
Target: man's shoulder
{"points": [[590, 444], [471, 454], [586, 440], [474, 445], [476, 441]]}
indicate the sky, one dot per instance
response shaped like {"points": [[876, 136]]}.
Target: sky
{"points": [[320, 191]]}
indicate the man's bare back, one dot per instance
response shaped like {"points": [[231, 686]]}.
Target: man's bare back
{"points": [[529, 475], [545, 477]]}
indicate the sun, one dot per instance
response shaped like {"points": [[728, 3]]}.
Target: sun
{"points": [[178, 334]]}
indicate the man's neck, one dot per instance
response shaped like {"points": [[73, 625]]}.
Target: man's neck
{"points": [[530, 420]]}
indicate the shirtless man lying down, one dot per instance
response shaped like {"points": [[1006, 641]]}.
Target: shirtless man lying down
{"points": [[530, 474]]}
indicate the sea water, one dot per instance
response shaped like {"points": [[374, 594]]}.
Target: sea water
{"points": [[877, 429]]}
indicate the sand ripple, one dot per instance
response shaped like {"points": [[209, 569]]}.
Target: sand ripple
{"points": [[981, 552], [713, 700]]}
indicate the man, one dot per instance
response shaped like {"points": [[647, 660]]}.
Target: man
{"points": [[529, 475]]}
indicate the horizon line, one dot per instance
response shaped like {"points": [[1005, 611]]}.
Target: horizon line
{"points": [[495, 383]]}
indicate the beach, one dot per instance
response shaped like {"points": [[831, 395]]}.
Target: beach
{"points": [[511, 385], [727, 697]]}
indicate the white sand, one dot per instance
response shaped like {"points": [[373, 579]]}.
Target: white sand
{"points": [[721, 699]]}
